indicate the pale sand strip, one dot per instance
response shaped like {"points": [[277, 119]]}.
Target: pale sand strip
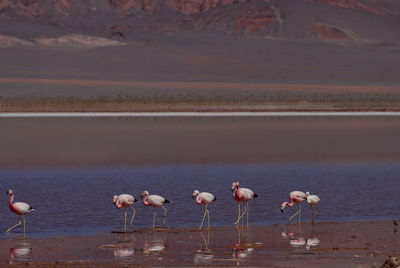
{"points": [[195, 114]]}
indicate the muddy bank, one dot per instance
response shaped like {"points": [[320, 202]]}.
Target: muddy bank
{"points": [[347, 244]]}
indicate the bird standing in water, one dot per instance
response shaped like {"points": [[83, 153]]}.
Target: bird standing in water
{"points": [[295, 197], [242, 195], [205, 199], [125, 201], [154, 201], [19, 208], [313, 200]]}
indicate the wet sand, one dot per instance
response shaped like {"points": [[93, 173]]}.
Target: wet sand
{"points": [[346, 244]]}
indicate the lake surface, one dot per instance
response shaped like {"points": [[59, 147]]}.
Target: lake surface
{"points": [[68, 169]]}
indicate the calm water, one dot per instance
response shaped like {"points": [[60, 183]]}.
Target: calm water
{"points": [[69, 169]]}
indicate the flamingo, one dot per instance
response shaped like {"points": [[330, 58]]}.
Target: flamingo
{"points": [[312, 200], [19, 208], [205, 199], [125, 201], [295, 197], [242, 195], [154, 201]]}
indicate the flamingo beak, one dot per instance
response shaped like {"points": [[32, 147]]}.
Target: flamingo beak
{"points": [[282, 210], [136, 200], [193, 196]]}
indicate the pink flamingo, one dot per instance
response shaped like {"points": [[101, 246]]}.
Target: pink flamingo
{"points": [[295, 197], [155, 201], [205, 199], [313, 200], [19, 208], [242, 195], [125, 201]]}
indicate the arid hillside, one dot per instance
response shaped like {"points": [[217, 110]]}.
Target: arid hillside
{"points": [[290, 42]]}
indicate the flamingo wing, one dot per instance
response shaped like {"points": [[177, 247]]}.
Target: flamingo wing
{"points": [[156, 200]]}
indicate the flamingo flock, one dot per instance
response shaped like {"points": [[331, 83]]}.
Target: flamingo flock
{"points": [[239, 194]]}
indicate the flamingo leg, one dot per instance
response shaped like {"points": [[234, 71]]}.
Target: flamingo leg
{"points": [[237, 221], [125, 219], [247, 213], [18, 224], [23, 216], [208, 216], [297, 212], [204, 216], [241, 216], [133, 216], [154, 216], [165, 215]]}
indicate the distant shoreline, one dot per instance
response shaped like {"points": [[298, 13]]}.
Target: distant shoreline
{"points": [[193, 114]]}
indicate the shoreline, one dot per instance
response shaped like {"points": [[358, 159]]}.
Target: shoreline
{"points": [[196, 114], [327, 244]]}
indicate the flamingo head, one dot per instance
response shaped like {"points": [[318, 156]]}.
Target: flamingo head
{"points": [[195, 193], [235, 185], [307, 194], [115, 198], [9, 192], [144, 194], [283, 206]]}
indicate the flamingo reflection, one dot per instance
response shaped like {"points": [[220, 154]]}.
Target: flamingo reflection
{"points": [[204, 255], [20, 252]]}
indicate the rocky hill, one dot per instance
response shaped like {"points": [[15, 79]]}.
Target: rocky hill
{"points": [[252, 52], [325, 20]]}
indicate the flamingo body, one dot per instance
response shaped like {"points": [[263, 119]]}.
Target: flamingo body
{"points": [[204, 198], [313, 201], [125, 201], [19, 208], [296, 197], [242, 195], [154, 201]]}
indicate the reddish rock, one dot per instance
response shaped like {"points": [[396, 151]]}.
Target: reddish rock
{"points": [[29, 8], [353, 4], [63, 6], [4, 4], [188, 7], [253, 20], [147, 6], [328, 33]]}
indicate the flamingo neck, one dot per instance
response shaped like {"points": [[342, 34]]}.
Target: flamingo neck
{"points": [[118, 204], [11, 199], [146, 201], [238, 193], [289, 204]]}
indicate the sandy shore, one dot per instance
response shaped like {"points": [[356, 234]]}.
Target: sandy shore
{"points": [[350, 244], [85, 95]]}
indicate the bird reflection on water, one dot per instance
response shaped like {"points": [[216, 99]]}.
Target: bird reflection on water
{"points": [[243, 248], [20, 252], [204, 254], [297, 240]]}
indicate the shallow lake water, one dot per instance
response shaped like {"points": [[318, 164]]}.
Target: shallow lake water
{"points": [[68, 169]]}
